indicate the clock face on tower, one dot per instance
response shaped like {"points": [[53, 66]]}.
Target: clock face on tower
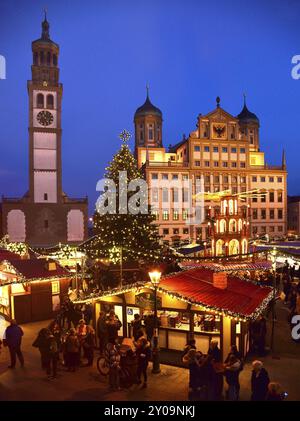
{"points": [[45, 118]]}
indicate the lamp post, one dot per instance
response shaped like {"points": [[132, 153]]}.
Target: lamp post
{"points": [[155, 278], [273, 258]]}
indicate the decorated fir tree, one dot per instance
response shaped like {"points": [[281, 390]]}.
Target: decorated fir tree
{"points": [[120, 234]]}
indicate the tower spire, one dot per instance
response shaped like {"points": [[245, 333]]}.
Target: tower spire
{"points": [[283, 160], [147, 90], [45, 26], [244, 95]]}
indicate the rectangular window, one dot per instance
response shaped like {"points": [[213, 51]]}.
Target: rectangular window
{"points": [[155, 213], [233, 150], [279, 196], [176, 231], [280, 214], [251, 140], [185, 231], [206, 163], [206, 148], [254, 179], [165, 194], [165, 231], [271, 179], [216, 163], [175, 215], [207, 179], [150, 134], [254, 213], [254, 199], [154, 176], [225, 178], [262, 179], [263, 199], [224, 149], [55, 287], [185, 194], [164, 177], [242, 150], [272, 214], [46, 224], [197, 148], [234, 190], [175, 194], [197, 163], [154, 194], [263, 213], [45, 196], [271, 196], [174, 176], [243, 164], [165, 215], [185, 177], [185, 214], [279, 179], [216, 179], [280, 228], [233, 164], [243, 180], [224, 164], [216, 149], [271, 229]]}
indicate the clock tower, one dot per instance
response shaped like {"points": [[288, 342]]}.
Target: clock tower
{"points": [[45, 215], [45, 96]]}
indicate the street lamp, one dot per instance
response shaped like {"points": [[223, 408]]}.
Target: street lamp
{"points": [[155, 279], [273, 258]]}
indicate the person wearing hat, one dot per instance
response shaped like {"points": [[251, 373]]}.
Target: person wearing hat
{"points": [[259, 381]]}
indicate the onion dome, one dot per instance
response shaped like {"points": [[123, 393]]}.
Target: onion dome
{"points": [[148, 108], [246, 116]]}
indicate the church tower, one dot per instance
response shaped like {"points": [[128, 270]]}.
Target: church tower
{"points": [[45, 96], [45, 215]]}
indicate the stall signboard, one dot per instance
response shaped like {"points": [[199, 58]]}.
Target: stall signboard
{"points": [[146, 301], [4, 302]]}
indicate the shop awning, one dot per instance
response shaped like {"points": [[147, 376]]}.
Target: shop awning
{"points": [[241, 298], [228, 267], [190, 248]]}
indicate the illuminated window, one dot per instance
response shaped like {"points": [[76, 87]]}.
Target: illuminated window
{"points": [[165, 215], [185, 214], [279, 196], [175, 215], [55, 286], [156, 214]]}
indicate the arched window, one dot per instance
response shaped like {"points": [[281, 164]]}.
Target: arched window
{"points": [[222, 225], [48, 58], [244, 246], [42, 57], [35, 59], [231, 210], [232, 225], [40, 101], [220, 248], [50, 101], [54, 60], [240, 225], [234, 247]]}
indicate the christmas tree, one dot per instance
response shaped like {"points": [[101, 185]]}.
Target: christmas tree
{"points": [[122, 235]]}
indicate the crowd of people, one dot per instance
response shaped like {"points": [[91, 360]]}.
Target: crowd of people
{"points": [[207, 374]]}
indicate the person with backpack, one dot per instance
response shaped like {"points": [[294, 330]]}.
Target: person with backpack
{"points": [[51, 355]]}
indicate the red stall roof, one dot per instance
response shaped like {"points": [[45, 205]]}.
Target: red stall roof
{"points": [[229, 266], [38, 268], [7, 255], [240, 299]]}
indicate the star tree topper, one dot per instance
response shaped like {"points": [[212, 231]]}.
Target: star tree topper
{"points": [[125, 136]]}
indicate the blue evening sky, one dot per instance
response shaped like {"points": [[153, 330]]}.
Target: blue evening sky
{"points": [[190, 51]]}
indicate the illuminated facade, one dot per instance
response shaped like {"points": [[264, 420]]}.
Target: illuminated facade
{"points": [[229, 231], [224, 152]]}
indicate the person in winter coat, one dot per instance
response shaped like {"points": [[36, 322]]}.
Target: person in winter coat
{"points": [[72, 350], [232, 371], [113, 324], [41, 344], [137, 329], [89, 345], [143, 353], [114, 359], [259, 382], [51, 355], [102, 331], [13, 339], [274, 392]]}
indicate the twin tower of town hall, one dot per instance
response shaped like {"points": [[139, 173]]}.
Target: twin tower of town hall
{"points": [[224, 151]]}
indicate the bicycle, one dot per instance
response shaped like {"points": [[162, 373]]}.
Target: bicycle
{"points": [[103, 365]]}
